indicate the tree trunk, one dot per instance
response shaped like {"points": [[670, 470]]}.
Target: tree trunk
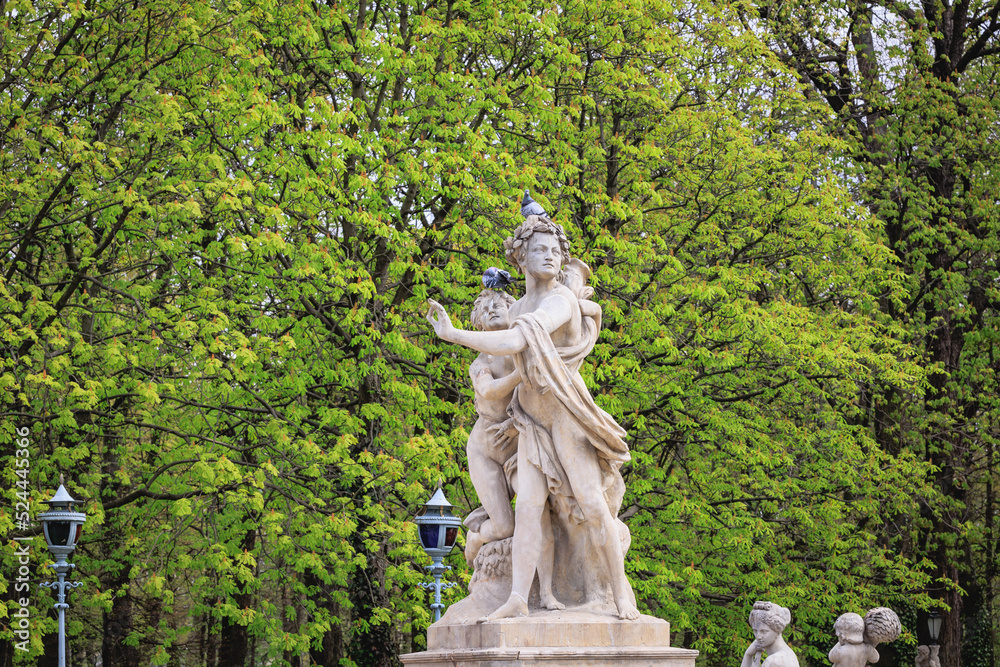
{"points": [[234, 640], [331, 649], [374, 648], [118, 623], [115, 652]]}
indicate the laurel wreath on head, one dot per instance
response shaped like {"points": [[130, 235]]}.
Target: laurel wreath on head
{"points": [[532, 224]]}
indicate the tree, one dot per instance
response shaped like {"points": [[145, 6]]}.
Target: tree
{"points": [[165, 346], [222, 233], [911, 89]]}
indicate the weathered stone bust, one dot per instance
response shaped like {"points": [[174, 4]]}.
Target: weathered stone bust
{"points": [[768, 621], [857, 637]]}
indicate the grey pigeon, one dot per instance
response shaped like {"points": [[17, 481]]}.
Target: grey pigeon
{"points": [[495, 278], [530, 207]]}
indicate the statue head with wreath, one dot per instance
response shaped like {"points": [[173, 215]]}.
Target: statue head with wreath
{"points": [[516, 246]]}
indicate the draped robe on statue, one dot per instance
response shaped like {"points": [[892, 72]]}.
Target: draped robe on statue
{"points": [[546, 368]]}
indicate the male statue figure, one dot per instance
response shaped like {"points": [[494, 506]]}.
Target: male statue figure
{"points": [[569, 450]]}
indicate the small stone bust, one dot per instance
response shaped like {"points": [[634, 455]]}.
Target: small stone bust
{"points": [[851, 649], [857, 637], [768, 621], [927, 656], [932, 656]]}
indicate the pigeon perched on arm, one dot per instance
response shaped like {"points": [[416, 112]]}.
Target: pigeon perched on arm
{"points": [[495, 278], [530, 207]]}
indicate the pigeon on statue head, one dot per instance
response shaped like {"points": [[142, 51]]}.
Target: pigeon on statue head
{"points": [[497, 279], [530, 207]]}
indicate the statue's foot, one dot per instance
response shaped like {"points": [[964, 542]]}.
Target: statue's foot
{"points": [[473, 543], [626, 610], [549, 601], [515, 605]]}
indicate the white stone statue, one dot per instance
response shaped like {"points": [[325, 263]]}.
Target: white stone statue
{"points": [[493, 441], [575, 277], [768, 621], [492, 445], [569, 451], [923, 657], [857, 637]]}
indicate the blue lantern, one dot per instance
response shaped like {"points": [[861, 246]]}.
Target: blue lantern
{"points": [[438, 529]]}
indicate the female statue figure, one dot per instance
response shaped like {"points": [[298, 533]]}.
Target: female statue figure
{"points": [[768, 621], [569, 451]]}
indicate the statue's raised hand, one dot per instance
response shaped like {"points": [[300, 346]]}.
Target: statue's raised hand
{"points": [[438, 317]]}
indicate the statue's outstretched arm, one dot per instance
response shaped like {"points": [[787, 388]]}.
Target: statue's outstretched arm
{"points": [[502, 343]]}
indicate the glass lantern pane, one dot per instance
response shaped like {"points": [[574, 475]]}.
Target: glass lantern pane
{"points": [[450, 535], [934, 627], [58, 532], [429, 536]]}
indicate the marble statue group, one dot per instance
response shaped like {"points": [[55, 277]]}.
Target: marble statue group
{"points": [[541, 445], [545, 460], [540, 437]]}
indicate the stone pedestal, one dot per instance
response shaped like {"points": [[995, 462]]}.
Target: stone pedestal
{"points": [[553, 639]]}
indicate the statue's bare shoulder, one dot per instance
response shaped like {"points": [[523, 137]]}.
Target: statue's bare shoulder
{"points": [[559, 299], [562, 303]]}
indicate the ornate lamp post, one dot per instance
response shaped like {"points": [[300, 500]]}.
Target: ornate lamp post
{"points": [[438, 529], [934, 621], [62, 526]]}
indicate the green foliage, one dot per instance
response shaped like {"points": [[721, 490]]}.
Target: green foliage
{"points": [[912, 91], [221, 224]]}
